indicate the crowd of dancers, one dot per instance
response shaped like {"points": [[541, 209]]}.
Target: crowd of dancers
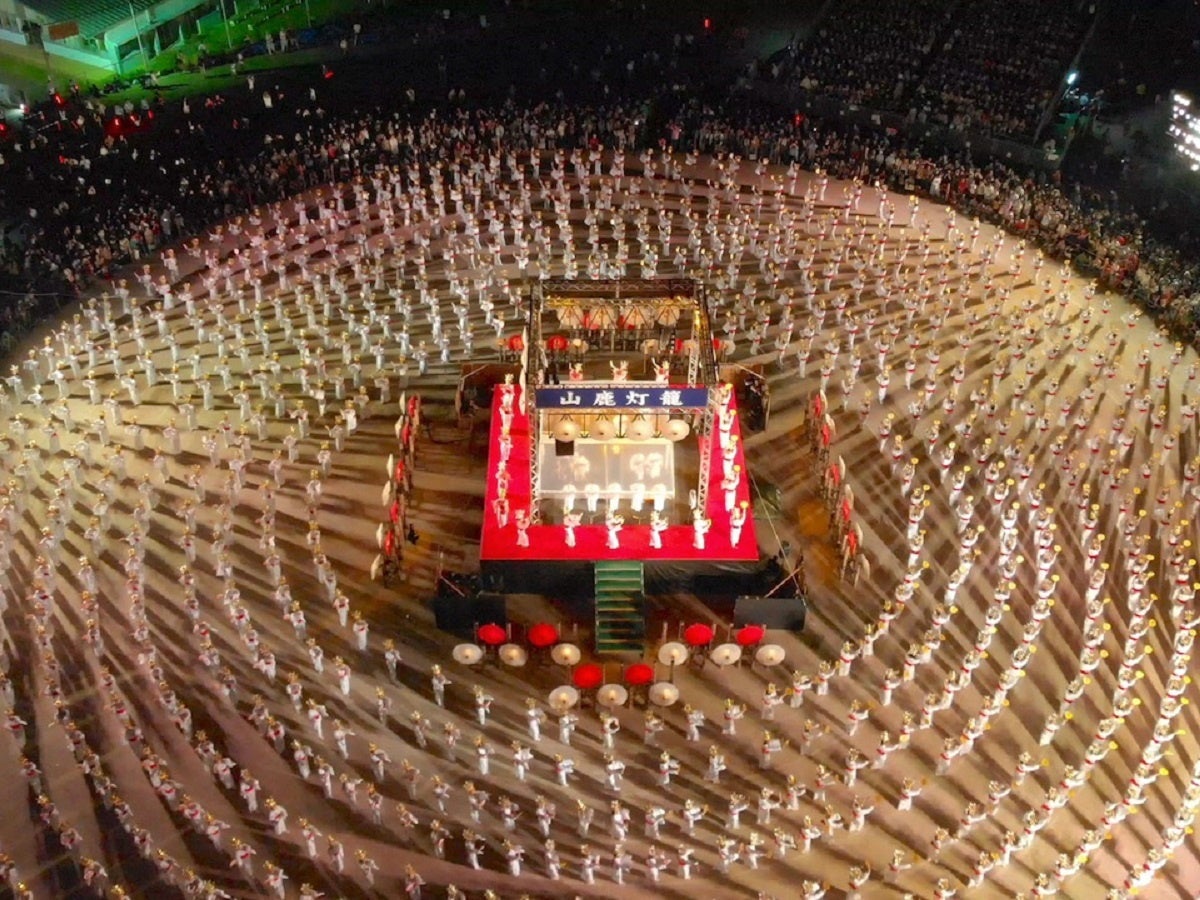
{"points": [[190, 626]]}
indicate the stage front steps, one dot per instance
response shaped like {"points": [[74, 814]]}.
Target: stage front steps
{"points": [[620, 607]]}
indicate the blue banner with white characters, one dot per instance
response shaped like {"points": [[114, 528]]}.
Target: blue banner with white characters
{"points": [[632, 395]]}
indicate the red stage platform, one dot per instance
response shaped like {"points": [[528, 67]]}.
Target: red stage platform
{"points": [[547, 542]]}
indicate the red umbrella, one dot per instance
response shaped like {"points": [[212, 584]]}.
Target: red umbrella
{"points": [[556, 343], [698, 635], [491, 634], [589, 676], [639, 674], [543, 635], [516, 343], [750, 635]]}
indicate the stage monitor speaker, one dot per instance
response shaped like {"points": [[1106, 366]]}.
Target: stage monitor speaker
{"points": [[787, 613], [564, 448], [459, 615]]}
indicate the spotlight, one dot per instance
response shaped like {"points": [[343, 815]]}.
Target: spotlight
{"points": [[1185, 130]]}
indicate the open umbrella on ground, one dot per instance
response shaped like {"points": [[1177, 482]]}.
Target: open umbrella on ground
{"points": [[467, 654], [566, 654], [726, 654], [612, 695], [663, 693], [563, 698], [513, 655], [769, 655]]}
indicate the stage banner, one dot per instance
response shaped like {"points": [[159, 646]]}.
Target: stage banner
{"points": [[630, 395]]}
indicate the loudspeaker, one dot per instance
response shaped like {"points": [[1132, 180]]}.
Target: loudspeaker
{"points": [[564, 448], [459, 615], [786, 613]]}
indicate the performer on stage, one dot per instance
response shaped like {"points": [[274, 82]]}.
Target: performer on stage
{"points": [[571, 521], [658, 524], [613, 522]]}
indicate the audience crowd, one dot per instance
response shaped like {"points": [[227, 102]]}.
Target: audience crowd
{"points": [[99, 190], [978, 65]]}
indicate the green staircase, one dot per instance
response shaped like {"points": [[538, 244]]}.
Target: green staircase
{"points": [[620, 613]]}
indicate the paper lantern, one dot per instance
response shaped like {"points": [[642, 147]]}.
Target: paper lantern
{"points": [[698, 635], [542, 635], [640, 429], [565, 429], [588, 677], [603, 429], [491, 634], [676, 430], [639, 674], [750, 635]]}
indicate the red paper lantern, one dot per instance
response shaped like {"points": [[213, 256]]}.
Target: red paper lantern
{"points": [[638, 674], [698, 635], [516, 343], [543, 635], [556, 343], [750, 635], [491, 634], [588, 677]]}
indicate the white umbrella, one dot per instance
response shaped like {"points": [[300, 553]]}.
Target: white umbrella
{"points": [[677, 429], [612, 695], [637, 317], [726, 654], [513, 655], [566, 654], [570, 316], [602, 317], [769, 655], [673, 654], [563, 698], [565, 429], [668, 315], [663, 694], [467, 654]]}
